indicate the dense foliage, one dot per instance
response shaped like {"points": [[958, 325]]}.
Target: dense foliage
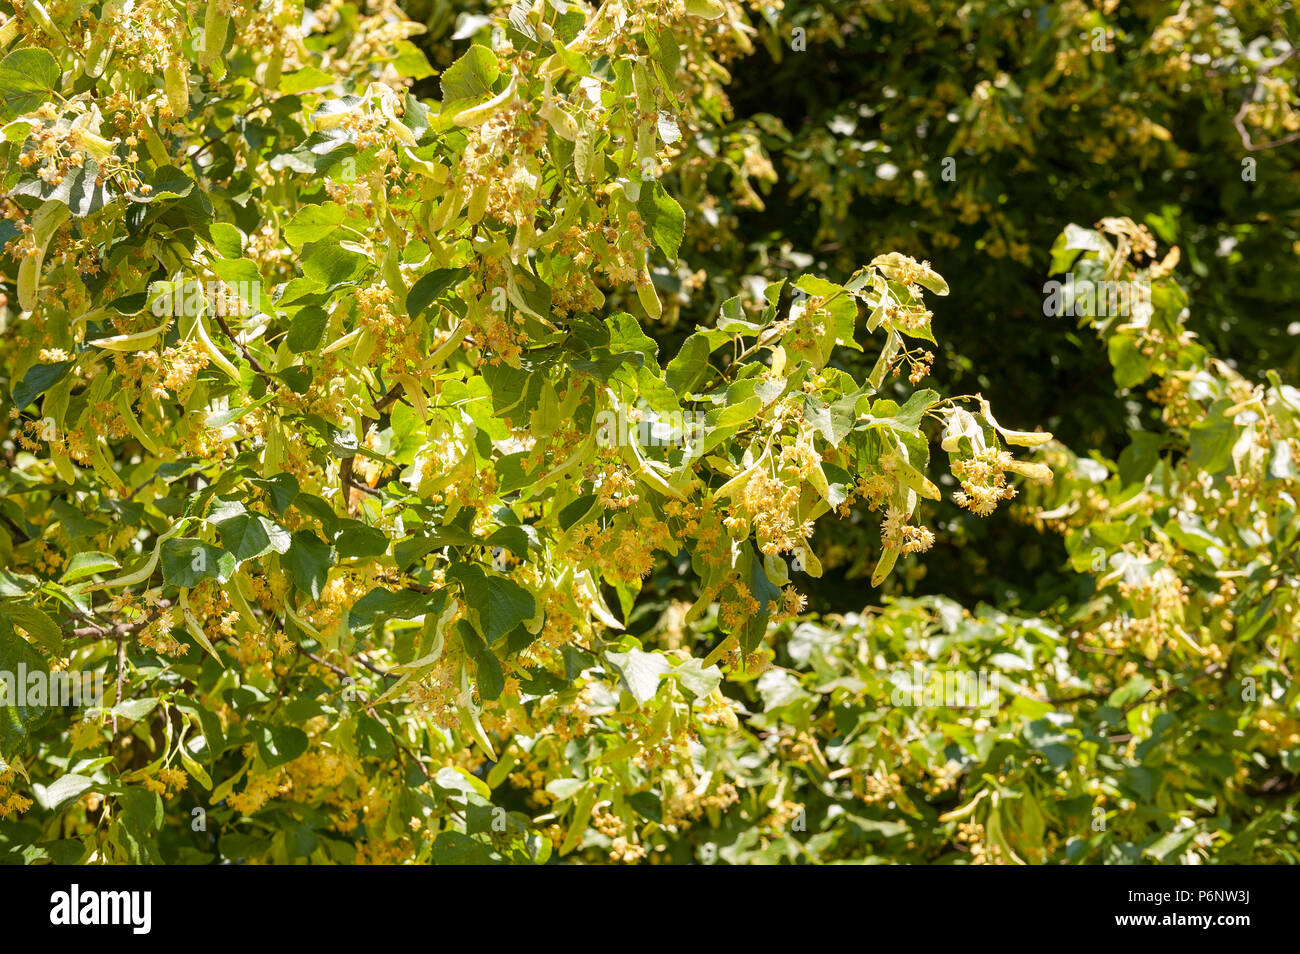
{"points": [[463, 434]]}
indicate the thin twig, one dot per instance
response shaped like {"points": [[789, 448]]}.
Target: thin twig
{"points": [[337, 670], [117, 701], [346, 481], [1239, 120], [116, 630], [243, 348]]}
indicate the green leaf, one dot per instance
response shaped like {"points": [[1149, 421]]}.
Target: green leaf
{"points": [[134, 709], [410, 61], [685, 371], [282, 489], [696, 678], [230, 415], [640, 672], [1210, 443], [242, 273], [500, 604], [308, 561], [197, 771], [226, 239], [187, 561], [309, 77], [80, 190], [373, 739], [17, 722], [491, 680], [911, 413], [361, 541], [307, 329], [332, 264], [627, 335], [666, 54], [165, 182], [562, 788], [708, 9], [1172, 843], [28, 78], [665, 221], [381, 604], [454, 848], [280, 743], [87, 563], [429, 286], [833, 422], [469, 80], [249, 536], [64, 792], [312, 223], [648, 805], [1131, 366], [36, 624], [1130, 692], [38, 379]]}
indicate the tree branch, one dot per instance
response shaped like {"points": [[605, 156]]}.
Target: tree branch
{"points": [[1239, 120]]}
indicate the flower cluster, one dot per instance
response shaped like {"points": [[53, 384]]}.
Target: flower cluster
{"points": [[983, 480]]}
